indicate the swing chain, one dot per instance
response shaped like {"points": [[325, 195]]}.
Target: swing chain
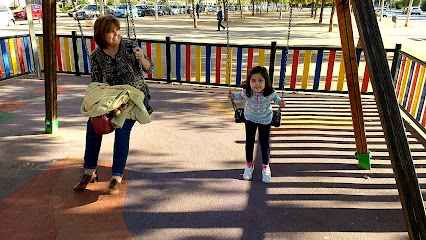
{"points": [[132, 20], [228, 52], [81, 29], [288, 42]]}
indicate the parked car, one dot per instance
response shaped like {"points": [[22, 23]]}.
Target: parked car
{"points": [[149, 10], [164, 10], [21, 12], [174, 9], [6, 16], [124, 9], [72, 10], [414, 11], [91, 11], [141, 10]]}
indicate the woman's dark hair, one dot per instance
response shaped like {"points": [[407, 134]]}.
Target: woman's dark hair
{"points": [[104, 24], [268, 86]]}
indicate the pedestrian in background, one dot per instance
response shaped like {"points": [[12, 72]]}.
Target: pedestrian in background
{"points": [[219, 19], [197, 9]]}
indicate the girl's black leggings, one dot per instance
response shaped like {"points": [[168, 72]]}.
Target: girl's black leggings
{"points": [[264, 131]]}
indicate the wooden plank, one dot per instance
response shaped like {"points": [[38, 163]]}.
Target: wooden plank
{"points": [[391, 121], [351, 69], [50, 68]]}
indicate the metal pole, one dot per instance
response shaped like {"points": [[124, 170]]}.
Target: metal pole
{"points": [[34, 45]]}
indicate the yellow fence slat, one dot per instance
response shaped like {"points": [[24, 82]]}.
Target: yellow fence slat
{"points": [[305, 76], [228, 65], [67, 54], [404, 81], [198, 63], [261, 57], [158, 58], [341, 78], [40, 39], [418, 91], [13, 56]]}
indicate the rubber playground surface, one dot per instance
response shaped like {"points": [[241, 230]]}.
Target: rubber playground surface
{"points": [[183, 177]]}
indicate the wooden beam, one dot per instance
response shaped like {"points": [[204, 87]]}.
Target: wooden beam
{"points": [[50, 74], [348, 48], [392, 124]]}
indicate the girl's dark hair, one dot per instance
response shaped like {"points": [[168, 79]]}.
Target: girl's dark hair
{"points": [[103, 25], [268, 86]]}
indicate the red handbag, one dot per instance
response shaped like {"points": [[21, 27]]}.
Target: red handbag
{"points": [[102, 124]]}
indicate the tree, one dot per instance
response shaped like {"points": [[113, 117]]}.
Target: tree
{"points": [[330, 28], [193, 14]]}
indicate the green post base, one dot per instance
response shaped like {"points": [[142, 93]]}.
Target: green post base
{"points": [[364, 160], [51, 126]]}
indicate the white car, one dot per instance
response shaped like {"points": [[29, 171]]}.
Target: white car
{"points": [[174, 10], [6, 16], [124, 9], [414, 10]]}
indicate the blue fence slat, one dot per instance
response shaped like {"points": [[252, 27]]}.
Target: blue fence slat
{"points": [[398, 69], [239, 66], [5, 58], [422, 102], [358, 57], [318, 69], [283, 69], [408, 86], [178, 63], [27, 54], [85, 57], [208, 63]]}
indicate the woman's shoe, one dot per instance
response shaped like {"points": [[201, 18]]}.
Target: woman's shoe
{"points": [[113, 188], [85, 179]]}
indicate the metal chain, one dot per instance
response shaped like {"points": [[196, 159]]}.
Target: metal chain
{"points": [[81, 30], [288, 41], [228, 52], [133, 21]]}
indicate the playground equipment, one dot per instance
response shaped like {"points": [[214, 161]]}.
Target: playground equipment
{"points": [[378, 70]]}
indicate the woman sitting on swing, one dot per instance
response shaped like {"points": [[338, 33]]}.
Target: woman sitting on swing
{"points": [[115, 61]]}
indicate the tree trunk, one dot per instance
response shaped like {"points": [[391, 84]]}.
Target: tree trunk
{"points": [[194, 14], [252, 9], [408, 12], [330, 28], [241, 8], [316, 7], [156, 9], [312, 8], [322, 10]]}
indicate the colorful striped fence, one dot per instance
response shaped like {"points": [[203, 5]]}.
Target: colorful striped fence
{"points": [[301, 68], [15, 58], [410, 86]]}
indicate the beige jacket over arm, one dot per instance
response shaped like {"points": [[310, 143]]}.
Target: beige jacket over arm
{"points": [[102, 98]]}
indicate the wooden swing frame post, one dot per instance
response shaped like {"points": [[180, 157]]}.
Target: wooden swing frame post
{"points": [[351, 69], [50, 74], [390, 116]]}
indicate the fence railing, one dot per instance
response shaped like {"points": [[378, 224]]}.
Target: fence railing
{"points": [[301, 68], [410, 86], [15, 51]]}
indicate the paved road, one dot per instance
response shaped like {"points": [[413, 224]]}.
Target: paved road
{"points": [[254, 30]]}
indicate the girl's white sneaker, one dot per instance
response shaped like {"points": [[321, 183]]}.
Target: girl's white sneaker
{"points": [[248, 172], [266, 174]]}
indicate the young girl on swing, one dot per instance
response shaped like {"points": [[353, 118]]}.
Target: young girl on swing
{"points": [[258, 94]]}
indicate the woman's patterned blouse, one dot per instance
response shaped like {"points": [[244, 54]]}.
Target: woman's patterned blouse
{"points": [[123, 69]]}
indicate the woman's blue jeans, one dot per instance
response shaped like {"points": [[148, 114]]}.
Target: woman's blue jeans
{"points": [[264, 131], [121, 147]]}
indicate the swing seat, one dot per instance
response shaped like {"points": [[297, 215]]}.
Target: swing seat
{"points": [[239, 115]]}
